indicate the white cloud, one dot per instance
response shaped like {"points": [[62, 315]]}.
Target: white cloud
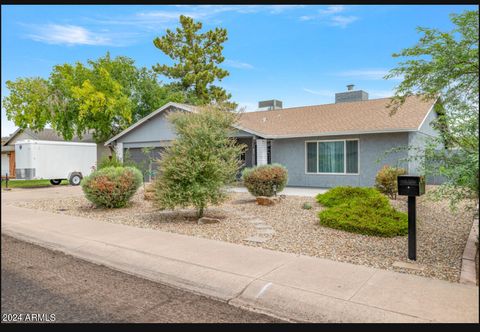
{"points": [[277, 9], [68, 35], [332, 9], [307, 17], [330, 17], [365, 74], [380, 93], [127, 28], [342, 21], [323, 93], [155, 19], [237, 64]]}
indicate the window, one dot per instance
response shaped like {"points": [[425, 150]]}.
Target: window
{"points": [[330, 157], [336, 157], [269, 152], [352, 156], [312, 157]]}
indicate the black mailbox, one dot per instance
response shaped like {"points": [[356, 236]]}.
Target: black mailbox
{"points": [[410, 185]]}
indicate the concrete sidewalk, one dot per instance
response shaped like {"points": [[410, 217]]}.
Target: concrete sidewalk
{"points": [[285, 285]]}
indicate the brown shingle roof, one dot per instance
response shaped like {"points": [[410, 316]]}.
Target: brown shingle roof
{"points": [[350, 117]]}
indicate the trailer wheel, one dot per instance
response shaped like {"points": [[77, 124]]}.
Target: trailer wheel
{"points": [[56, 182], [75, 179]]}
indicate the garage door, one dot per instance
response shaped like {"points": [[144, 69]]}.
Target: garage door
{"points": [[144, 162]]}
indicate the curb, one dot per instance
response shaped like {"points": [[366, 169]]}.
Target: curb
{"points": [[468, 275], [257, 294]]}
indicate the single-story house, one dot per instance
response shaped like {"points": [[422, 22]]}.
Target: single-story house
{"points": [[8, 146], [321, 146]]}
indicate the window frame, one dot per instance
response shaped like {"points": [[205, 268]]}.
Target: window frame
{"points": [[344, 156]]}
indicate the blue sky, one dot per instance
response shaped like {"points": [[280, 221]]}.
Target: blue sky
{"points": [[301, 55]]}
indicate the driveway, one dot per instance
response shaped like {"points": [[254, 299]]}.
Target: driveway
{"points": [[25, 194]]}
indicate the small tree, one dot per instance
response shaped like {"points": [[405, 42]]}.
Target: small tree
{"points": [[444, 65], [386, 180], [197, 56], [200, 162]]}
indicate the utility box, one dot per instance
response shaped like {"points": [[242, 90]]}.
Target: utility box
{"points": [[411, 185], [54, 160]]}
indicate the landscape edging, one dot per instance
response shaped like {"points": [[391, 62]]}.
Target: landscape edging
{"points": [[468, 274]]}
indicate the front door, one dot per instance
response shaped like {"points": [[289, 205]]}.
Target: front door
{"points": [[246, 158], [11, 162]]}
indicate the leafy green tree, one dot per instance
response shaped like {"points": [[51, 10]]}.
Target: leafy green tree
{"points": [[103, 105], [103, 96], [201, 161], [197, 57], [444, 65], [28, 104]]}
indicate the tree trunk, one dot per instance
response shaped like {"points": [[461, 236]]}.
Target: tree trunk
{"points": [[200, 211]]}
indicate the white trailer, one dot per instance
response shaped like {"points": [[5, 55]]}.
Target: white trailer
{"points": [[54, 161]]}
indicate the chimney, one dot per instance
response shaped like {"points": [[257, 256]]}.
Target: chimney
{"points": [[268, 105], [350, 95]]}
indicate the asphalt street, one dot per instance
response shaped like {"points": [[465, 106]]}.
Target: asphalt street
{"points": [[36, 280]]}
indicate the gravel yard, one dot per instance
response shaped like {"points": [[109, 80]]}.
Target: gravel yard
{"points": [[441, 234]]}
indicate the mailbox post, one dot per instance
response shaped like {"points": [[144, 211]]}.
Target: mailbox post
{"points": [[411, 186]]}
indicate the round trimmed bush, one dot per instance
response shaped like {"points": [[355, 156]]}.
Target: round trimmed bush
{"points": [[265, 180], [112, 187]]}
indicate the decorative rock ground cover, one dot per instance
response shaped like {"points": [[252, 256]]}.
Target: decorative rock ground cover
{"points": [[286, 226]]}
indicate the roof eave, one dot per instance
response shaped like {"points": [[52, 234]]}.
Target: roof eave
{"points": [[12, 136], [144, 119], [429, 111], [239, 127], [340, 133]]}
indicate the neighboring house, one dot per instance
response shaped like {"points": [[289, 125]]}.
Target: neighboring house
{"points": [[8, 146], [321, 146], [5, 170]]}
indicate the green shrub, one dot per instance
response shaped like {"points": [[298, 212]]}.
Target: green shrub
{"points": [[361, 210], [307, 206], [386, 180], [339, 195], [201, 161], [265, 180], [359, 218], [109, 161], [112, 187]]}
